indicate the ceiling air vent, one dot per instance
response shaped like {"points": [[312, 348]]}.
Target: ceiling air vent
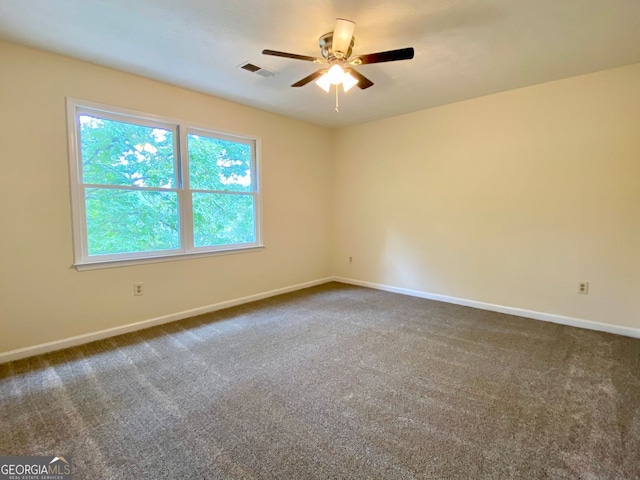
{"points": [[250, 67]]}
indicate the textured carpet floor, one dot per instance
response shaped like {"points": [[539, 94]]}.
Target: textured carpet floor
{"points": [[334, 382]]}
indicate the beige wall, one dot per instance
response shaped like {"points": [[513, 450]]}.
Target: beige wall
{"points": [[509, 199], [43, 298]]}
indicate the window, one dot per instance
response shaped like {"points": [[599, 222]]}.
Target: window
{"points": [[145, 187]]}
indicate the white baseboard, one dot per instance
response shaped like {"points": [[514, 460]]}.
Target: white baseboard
{"points": [[520, 312], [132, 327]]}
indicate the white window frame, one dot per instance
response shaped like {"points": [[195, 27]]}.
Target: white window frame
{"points": [[180, 130]]}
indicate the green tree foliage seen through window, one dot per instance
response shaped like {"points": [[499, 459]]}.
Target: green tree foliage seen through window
{"points": [[217, 165], [130, 174]]}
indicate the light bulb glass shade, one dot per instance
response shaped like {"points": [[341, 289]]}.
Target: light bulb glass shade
{"points": [[324, 83], [342, 35], [335, 74], [348, 82]]}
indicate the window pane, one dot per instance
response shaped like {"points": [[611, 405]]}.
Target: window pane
{"points": [[220, 219], [126, 221], [216, 164], [118, 153]]}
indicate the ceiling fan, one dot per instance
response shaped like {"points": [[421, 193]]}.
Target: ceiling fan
{"points": [[336, 48]]}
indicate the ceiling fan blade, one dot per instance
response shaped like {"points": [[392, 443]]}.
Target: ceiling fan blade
{"points": [[309, 78], [275, 53], [363, 82], [390, 56], [342, 35]]}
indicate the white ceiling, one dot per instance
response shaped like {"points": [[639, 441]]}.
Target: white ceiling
{"points": [[463, 48]]}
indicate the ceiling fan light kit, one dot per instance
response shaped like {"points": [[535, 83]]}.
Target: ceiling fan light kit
{"points": [[336, 48], [348, 82]]}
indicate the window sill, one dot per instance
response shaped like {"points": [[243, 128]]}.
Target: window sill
{"points": [[164, 258]]}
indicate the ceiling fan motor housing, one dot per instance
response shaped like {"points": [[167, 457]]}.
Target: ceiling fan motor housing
{"points": [[326, 46]]}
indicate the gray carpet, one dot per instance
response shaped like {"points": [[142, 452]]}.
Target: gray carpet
{"points": [[334, 382]]}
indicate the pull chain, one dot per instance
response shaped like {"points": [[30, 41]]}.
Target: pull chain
{"points": [[337, 105]]}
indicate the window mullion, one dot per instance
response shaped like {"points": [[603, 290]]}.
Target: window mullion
{"points": [[186, 207], [107, 186], [256, 186], [224, 192]]}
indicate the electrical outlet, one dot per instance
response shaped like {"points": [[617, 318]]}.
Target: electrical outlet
{"points": [[583, 288], [138, 289]]}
